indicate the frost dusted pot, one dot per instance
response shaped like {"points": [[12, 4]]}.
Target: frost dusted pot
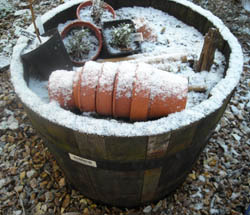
{"points": [[85, 4], [95, 31], [129, 164], [136, 91]]}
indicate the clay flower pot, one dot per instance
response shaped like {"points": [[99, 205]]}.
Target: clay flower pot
{"points": [[83, 41], [167, 98], [88, 83], [60, 88], [104, 91], [124, 90], [87, 17], [141, 93], [143, 27]]}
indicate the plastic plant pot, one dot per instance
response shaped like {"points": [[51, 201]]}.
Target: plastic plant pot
{"points": [[85, 4], [115, 51], [83, 41], [47, 57]]}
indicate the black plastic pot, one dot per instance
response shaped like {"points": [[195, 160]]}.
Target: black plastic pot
{"points": [[49, 56], [116, 52]]}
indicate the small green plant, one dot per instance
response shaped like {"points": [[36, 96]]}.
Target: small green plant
{"points": [[78, 45], [97, 10], [121, 35]]}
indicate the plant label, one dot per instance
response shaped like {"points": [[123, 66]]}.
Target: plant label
{"points": [[81, 160], [25, 33], [138, 37]]}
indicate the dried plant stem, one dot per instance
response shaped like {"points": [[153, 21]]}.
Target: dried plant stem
{"points": [[34, 21]]}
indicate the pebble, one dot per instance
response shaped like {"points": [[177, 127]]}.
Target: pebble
{"points": [[62, 182], [22, 175], [236, 137], [49, 196], [2, 182], [31, 173], [22, 12], [235, 110], [229, 115], [245, 129], [18, 189], [157, 206], [147, 209], [19, 212], [85, 211], [9, 123], [33, 183]]}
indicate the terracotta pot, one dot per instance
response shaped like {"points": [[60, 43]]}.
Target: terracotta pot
{"points": [[88, 84], [168, 94], [104, 92], [96, 32], [141, 93], [143, 27], [76, 88], [60, 88], [124, 90], [89, 3]]}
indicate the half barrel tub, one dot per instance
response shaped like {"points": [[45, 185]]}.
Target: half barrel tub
{"points": [[130, 164]]}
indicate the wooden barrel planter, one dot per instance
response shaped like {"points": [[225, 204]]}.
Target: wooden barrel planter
{"points": [[130, 164]]}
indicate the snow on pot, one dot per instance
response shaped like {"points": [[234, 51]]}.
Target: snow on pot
{"points": [[152, 93], [123, 163], [82, 40], [95, 12], [119, 38]]}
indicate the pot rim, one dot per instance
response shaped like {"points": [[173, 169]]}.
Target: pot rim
{"points": [[57, 115]]}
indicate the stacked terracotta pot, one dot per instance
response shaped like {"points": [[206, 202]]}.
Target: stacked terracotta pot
{"points": [[136, 91]]}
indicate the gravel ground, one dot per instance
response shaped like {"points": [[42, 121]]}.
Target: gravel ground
{"points": [[32, 183]]}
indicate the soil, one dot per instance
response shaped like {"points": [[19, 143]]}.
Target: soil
{"points": [[32, 183]]}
